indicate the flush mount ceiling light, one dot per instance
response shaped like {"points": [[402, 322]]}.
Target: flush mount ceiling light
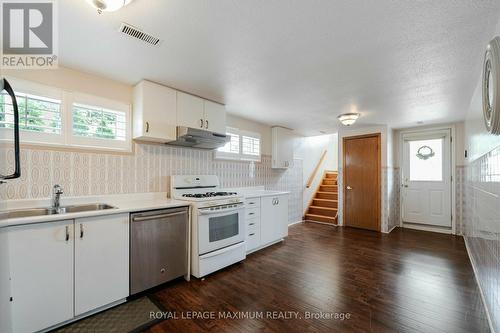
{"points": [[347, 119], [108, 5]]}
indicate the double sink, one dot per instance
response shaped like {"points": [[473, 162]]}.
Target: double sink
{"points": [[33, 212]]}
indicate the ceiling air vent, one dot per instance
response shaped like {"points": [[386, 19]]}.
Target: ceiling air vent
{"points": [[134, 32]]}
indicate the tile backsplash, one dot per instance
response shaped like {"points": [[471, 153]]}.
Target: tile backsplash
{"points": [[148, 170]]}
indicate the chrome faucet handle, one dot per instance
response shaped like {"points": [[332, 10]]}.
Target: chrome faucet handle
{"points": [[57, 189]]}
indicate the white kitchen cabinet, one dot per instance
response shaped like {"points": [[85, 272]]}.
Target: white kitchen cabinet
{"points": [[282, 148], [215, 117], [41, 263], [154, 112], [101, 261], [195, 112], [273, 218], [190, 111]]}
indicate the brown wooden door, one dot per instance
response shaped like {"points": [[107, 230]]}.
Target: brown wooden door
{"points": [[361, 182]]}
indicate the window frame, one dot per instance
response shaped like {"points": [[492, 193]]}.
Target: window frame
{"points": [[220, 155], [66, 139], [98, 102], [33, 137]]}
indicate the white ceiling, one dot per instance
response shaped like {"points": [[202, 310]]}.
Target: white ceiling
{"points": [[296, 63]]}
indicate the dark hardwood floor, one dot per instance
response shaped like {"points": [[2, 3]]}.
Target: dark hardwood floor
{"points": [[407, 281]]}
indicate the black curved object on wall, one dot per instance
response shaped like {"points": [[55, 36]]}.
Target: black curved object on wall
{"points": [[4, 85]]}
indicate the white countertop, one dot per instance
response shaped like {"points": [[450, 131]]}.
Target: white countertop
{"points": [[124, 204]]}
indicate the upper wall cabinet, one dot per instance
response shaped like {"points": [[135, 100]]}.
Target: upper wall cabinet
{"points": [[196, 112], [154, 112], [282, 148], [215, 117]]}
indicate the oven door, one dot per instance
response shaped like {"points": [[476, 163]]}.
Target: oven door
{"points": [[220, 228]]}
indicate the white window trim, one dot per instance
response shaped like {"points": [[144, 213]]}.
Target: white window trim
{"points": [[66, 138], [31, 88], [82, 142], [220, 155]]}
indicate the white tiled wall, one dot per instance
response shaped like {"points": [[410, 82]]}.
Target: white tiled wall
{"points": [[148, 170], [480, 216]]}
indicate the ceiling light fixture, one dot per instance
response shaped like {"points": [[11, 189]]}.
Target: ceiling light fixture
{"points": [[347, 119], [108, 5]]}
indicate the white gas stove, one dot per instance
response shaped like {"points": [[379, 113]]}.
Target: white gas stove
{"points": [[218, 222]]}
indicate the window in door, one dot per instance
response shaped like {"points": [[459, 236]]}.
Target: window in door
{"points": [[426, 160]]}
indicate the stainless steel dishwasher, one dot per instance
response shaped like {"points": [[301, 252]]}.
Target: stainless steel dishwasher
{"points": [[158, 247]]}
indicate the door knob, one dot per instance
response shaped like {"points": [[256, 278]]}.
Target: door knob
{"points": [[349, 188]]}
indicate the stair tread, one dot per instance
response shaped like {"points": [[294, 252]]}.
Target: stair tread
{"points": [[329, 200], [321, 207]]}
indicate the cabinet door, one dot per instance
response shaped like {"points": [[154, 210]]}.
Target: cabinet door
{"points": [[282, 148], [190, 111], [5, 290], [274, 219], [41, 259], [215, 117], [101, 261], [155, 112]]}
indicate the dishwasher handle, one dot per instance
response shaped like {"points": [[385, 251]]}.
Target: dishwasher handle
{"points": [[156, 217]]}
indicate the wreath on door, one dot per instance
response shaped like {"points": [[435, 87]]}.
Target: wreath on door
{"points": [[425, 152]]}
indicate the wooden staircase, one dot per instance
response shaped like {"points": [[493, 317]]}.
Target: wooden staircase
{"points": [[324, 205]]}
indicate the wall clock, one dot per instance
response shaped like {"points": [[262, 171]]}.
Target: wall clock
{"points": [[491, 86]]}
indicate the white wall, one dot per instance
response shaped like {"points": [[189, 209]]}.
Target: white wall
{"points": [[309, 150]]}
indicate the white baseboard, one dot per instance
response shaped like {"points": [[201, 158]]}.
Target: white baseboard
{"points": [[388, 232], [293, 223]]}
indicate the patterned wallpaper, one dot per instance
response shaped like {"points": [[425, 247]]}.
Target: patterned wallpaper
{"points": [[148, 170], [480, 216]]}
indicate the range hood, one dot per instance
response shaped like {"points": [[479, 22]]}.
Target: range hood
{"points": [[198, 138]]}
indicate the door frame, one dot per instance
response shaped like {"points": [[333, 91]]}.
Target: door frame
{"points": [[453, 167], [379, 172]]}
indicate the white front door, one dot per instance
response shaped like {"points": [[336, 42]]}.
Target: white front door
{"points": [[426, 178]]}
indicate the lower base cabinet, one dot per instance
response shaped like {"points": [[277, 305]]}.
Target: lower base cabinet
{"points": [[274, 218], [60, 270], [41, 261], [101, 261]]}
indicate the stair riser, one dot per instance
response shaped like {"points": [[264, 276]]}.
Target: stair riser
{"points": [[329, 196], [321, 203], [329, 182], [328, 189], [321, 219], [331, 175], [324, 212]]}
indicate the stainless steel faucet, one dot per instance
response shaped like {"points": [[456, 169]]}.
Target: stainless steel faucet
{"points": [[57, 190]]}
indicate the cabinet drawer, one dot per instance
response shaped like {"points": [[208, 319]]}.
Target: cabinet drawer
{"points": [[252, 213], [252, 202], [255, 222], [253, 226], [253, 240]]}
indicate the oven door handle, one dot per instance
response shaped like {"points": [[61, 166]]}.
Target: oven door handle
{"points": [[206, 211]]}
